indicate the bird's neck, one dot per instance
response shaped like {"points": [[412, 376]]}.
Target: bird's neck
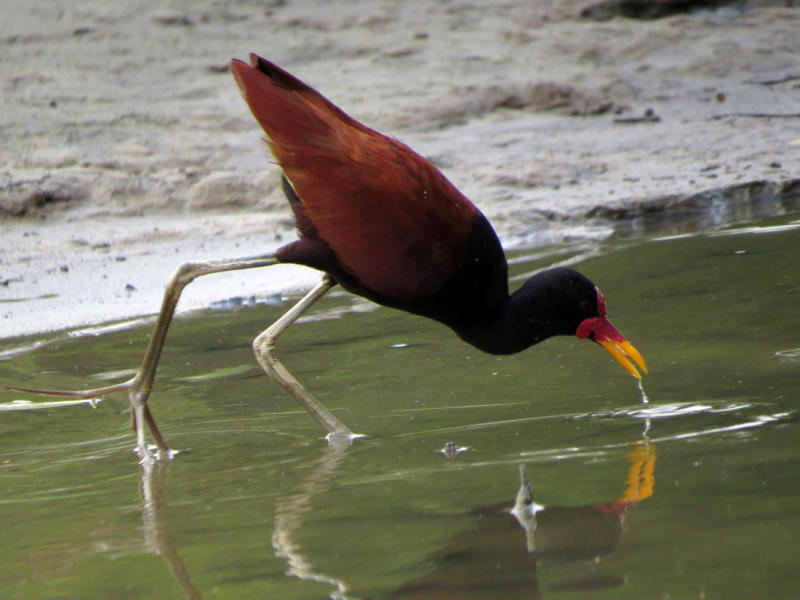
{"points": [[519, 322]]}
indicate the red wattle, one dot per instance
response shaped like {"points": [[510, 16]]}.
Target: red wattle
{"points": [[602, 329], [600, 326], [585, 329]]}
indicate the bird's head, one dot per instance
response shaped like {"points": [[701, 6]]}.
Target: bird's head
{"points": [[575, 306], [598, 328]]}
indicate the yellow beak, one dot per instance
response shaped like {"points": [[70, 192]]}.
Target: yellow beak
{"points": [[623, 351]]}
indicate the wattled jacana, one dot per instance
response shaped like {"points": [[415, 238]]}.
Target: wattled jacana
{"points": [[385, 224]]}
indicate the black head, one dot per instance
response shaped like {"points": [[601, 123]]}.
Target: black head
{"points": [[560, 299], [553, 302], [564, 302]]}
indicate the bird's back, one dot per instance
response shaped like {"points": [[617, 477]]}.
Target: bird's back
{"points": [[390, 219]]}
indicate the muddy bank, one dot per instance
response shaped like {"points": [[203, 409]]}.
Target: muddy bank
{"points": [[126, 148]]}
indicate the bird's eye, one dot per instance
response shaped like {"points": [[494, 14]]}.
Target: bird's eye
{"points": [[587, 307]]}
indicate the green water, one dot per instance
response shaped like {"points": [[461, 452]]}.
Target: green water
{"points": [[693, 495]]}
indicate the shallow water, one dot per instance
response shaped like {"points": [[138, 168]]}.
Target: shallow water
{"points": [[693, 494]]}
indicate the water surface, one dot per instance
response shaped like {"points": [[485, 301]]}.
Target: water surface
{"points": [[691, 495]]}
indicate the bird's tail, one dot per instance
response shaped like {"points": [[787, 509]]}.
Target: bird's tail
{"points": [[295, 117]]}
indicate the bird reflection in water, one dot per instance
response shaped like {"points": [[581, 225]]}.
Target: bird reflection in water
{"points": [[494, 557], [152, 492], [289, 513]]}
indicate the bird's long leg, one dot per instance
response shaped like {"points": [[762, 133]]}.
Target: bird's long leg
{"points": [[142, 383], [264, 347]]}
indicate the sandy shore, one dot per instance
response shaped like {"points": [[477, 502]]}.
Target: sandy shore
{"points": [[126, 147]]}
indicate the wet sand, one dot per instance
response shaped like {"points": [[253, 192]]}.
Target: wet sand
{"points": [[126, 147]]}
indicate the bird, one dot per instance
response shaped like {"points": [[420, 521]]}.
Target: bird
{"points": [[382, 222]]}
